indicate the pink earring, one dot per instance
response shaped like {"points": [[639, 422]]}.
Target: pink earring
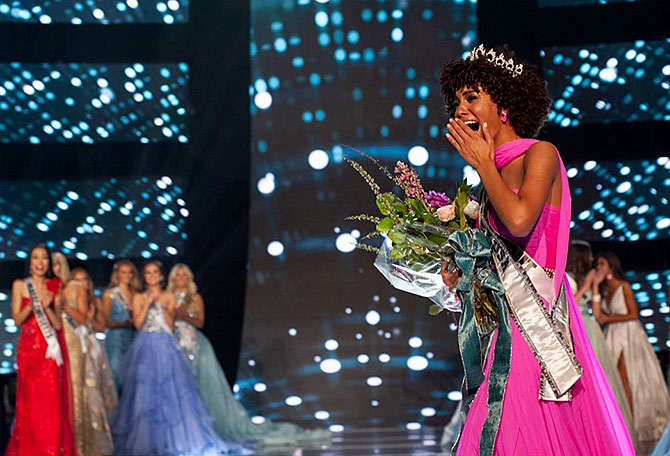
{"points": [[504, 117]]}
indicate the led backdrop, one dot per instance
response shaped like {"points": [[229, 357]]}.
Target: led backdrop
{"points": [[104, 218], [82, 102], [325, 336], [95, 11], [613, 82], [550, 3]]}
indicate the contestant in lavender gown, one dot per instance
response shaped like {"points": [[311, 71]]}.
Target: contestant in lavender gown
{"points": [[525, 402], [161, 411]]}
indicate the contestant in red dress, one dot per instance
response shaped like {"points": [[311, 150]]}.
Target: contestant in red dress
{"points": [[43, 409]]}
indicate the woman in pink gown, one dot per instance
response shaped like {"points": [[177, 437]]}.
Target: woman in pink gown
{"points": [[496, 104]]}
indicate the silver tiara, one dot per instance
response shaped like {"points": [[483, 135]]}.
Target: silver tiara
{"points": [[497, 59], [580, 242]]}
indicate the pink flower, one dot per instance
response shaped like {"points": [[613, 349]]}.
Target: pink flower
{"points": [[446, 213], [437, 199]]}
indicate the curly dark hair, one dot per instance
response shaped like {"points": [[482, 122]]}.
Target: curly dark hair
{"points": [[525, 96]]}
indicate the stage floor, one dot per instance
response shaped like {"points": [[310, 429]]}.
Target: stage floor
{"points": [[374, 442]]}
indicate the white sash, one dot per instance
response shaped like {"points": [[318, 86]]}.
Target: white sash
{"points": [[53, 348], [80, 330]]}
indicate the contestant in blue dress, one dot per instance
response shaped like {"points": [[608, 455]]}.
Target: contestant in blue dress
{"points": [[161, 412], [116, 301], [663, 445], [230, 417]]}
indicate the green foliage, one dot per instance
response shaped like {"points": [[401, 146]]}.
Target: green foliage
{"points": [[434, 309], [385, 225], [419, 238]]}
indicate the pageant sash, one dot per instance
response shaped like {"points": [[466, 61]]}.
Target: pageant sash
{"points": [[80, 330], [547, 332], [53, 347]]}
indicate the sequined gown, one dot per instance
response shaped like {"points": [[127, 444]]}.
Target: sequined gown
{"points": [[42, 423], [161, 412], [75, 339], [100, 395], [230, 417], [118, 340], [651, 402], [602, 351]]}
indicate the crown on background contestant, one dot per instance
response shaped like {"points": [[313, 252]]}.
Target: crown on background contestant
{"points": [[497, 59]]}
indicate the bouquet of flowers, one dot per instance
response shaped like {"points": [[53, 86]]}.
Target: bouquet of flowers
{"points": [[416, 225]]}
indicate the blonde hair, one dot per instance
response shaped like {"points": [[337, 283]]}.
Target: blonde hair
{"points": [[191, 288], [114, 278], [61, 260]]}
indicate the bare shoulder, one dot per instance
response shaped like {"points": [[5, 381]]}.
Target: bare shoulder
{"points": [[542, 156], [18, 286], [543, 150], [626, 286], [167, 297]]}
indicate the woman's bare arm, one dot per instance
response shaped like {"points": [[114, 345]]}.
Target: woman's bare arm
{"points": [[19, 314], [80, 313], [196, 309], [519, 211], [631, 304], [140, 308]]}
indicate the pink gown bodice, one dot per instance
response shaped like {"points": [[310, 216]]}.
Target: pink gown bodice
{"points": [[540, 244]]}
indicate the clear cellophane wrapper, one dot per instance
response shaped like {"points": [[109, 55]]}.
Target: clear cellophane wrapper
{"points": [[421, 279]]}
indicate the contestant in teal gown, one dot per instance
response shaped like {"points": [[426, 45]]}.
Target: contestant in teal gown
{"points": [[230, 418], [116, 302]]}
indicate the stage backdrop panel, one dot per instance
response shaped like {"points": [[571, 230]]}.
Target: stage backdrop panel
{"points": [[553, 3], [95, 11], [93, 102], [325, 336], [620, 201], [97, 218], [609, 82]]}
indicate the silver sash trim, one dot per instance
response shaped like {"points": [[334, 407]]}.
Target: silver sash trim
{"points": [[80, 330], [53, 347], [547, 333]]}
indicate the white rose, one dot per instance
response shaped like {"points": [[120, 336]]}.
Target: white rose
{"points": [[446, 213], [472, 209]]}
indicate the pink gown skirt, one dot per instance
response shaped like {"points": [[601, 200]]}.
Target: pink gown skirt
{"points": [[589, 425]]}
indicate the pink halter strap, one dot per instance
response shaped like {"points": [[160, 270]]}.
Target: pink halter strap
{"points": [[509, 151]]}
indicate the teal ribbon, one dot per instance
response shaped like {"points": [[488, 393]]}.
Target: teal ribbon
{"points": [[472, 254]]}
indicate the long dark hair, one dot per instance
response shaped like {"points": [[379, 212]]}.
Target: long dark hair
{"points": [[579, 260], [615, 265], [50, 271]]}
